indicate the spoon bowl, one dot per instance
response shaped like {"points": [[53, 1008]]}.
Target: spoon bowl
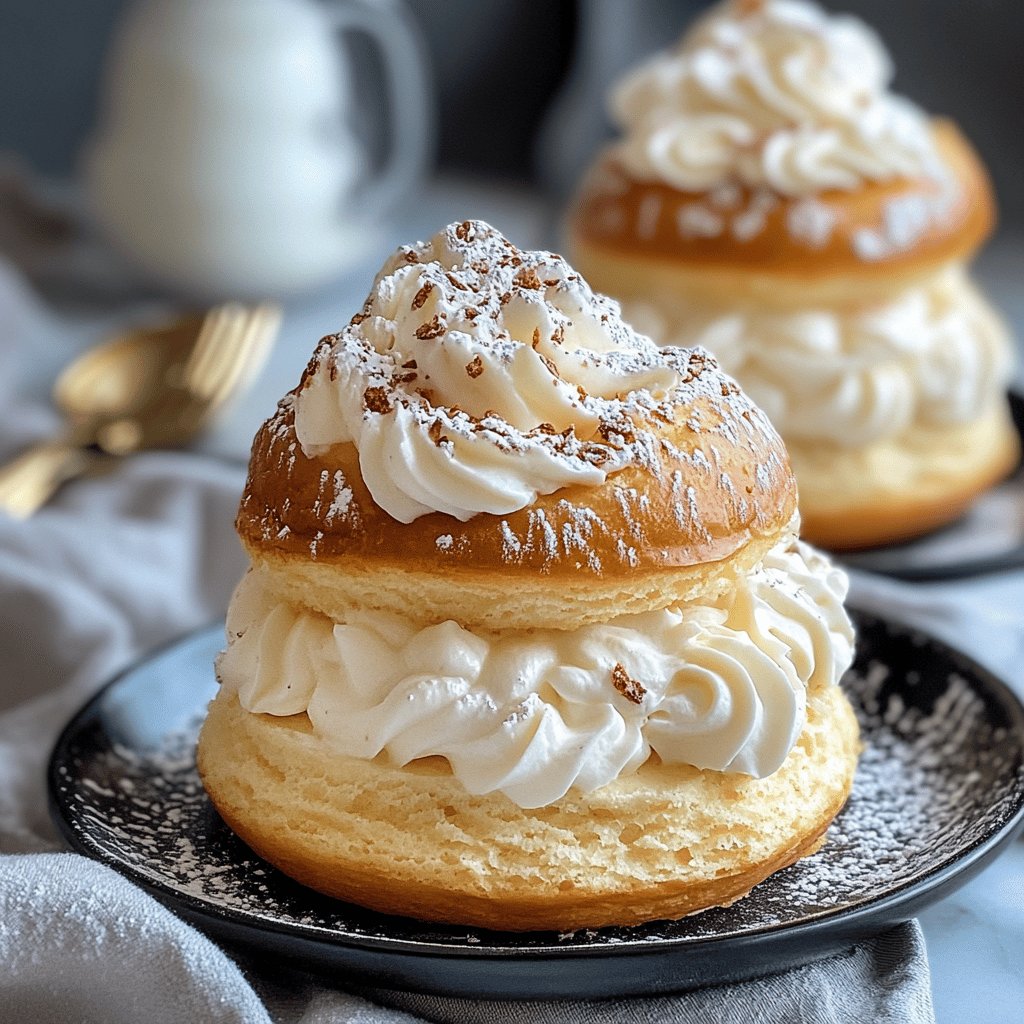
{"points": [[154, 388], [118, 377]]}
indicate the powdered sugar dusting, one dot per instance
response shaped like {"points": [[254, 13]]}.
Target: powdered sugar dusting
{"points": [[812, 221], [751, 222], [341, 498], [695, 220], [511, 545], [912, 787], [906, 219], [902, 222]]}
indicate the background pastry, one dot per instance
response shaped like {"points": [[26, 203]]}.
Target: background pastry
{"points": [[772, 200], [528, 640]]}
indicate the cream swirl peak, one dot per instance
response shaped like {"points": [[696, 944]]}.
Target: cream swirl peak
{"points": [[776, 94], [478, 376], [721, 685]]}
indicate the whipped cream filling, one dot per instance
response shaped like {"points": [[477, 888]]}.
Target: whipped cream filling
{"points": [[477, 377], [939, 355], [532, 714], [778, 94]]}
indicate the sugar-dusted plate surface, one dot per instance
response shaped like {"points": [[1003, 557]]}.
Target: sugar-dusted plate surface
{"points": [[989, 537], [939, 790]]}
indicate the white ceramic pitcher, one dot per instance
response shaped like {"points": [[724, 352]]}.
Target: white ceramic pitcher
{"points": [[225, 161]]}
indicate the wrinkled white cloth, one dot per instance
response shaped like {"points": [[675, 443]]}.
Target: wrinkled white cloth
{"points": [[80, 943], [67, 925], [116, 565]]}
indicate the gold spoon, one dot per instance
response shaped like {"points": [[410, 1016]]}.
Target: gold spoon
{"points": [[143, 389]]}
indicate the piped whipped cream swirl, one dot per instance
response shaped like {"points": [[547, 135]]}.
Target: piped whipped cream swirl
{"points": [[777, 94], [478, 376], [533, 714], [937, 356]]}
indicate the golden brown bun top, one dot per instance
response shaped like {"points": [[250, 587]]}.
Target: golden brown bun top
{"points": [[720, 478], [878, 229]]}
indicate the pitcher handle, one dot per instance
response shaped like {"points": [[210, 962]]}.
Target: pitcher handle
{"points": [[388, 24]]}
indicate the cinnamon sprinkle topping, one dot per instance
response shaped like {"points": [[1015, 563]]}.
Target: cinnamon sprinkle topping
{"points": [[475, 366], [527, 277], [435, 434], [617, 435], [422, 295], [552, 369], [632, 689], [434, 329], [696, 364], [376, 400]]}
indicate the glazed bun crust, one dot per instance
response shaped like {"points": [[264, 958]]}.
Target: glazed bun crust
{"points": [[681, 531], [669, 516], [662, 843], [774, 263]]}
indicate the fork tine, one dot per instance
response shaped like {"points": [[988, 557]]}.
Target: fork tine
{"points": [[241, 350], [202, 374], [265, 323], [252, 348], [209, 345], [220, 371], [201, 347]]}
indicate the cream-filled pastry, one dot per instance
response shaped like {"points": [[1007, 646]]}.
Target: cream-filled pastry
{"points": [[773, 200], [529, 639]]}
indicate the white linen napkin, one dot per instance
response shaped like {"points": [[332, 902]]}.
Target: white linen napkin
{"points": [[80, 943], [117, 565]]}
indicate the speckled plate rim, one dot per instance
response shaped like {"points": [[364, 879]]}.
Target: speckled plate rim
{"points": [[871, 916], [884, 560]]}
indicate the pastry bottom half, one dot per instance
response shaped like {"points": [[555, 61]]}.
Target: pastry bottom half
{"points": [[662, 843], [903, 487]]}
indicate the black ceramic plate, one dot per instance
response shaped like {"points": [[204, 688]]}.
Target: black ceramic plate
{"points": [[989, 537], [939, 790]]}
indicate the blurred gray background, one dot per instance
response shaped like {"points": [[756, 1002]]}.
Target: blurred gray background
{"points": [[499, 64]]}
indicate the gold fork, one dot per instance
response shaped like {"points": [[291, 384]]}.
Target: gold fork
{"points": [[145, 389]]}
